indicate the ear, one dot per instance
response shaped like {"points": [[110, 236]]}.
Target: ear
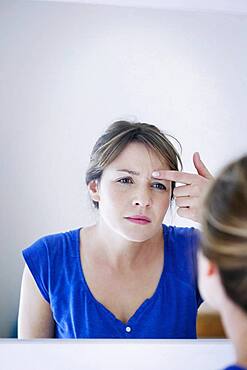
{"points": [[206, 266], [211, 268], [93, 188]]}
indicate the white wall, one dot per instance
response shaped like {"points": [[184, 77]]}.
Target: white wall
{"points": [[68, 70]]}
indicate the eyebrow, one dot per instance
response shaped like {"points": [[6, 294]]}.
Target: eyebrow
{"points": [[129, 171]]}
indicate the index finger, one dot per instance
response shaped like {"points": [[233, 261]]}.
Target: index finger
{"points": [[177, 176]]}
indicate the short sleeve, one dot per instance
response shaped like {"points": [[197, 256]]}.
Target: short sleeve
{"points": [[195, 242], [37, 259]]}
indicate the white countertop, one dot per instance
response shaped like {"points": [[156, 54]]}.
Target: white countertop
{"points": [[117, 354]]}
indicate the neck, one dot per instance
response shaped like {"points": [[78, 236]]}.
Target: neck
{"points": [[121, 253], [235, 324]]}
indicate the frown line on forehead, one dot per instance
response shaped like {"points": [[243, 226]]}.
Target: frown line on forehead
{"points": [[131, 172]]}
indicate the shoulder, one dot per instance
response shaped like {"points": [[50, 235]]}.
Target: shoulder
{"points": [[52, 244], [50, 257], [182, 235], [181, 244], [65, 237]]}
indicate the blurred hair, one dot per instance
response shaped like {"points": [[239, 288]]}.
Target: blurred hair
{"points": [[224, 237]]}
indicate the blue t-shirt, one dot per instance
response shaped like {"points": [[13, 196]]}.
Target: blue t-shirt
{"points": [[55, 264]]}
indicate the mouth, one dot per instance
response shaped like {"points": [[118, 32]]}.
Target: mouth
{"points": [[139, 219]]}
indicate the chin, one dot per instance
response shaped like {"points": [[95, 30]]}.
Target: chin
{"points": [[139, 235], [136, 239], [134, 232]]}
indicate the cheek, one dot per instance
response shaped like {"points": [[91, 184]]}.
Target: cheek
{"points": [[164, 198], [200, 267], [201, 283], [113, 196], [203, 280], [162, 202]]}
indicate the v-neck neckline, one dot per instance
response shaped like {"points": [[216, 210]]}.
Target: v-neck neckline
{"points": [[145, 303]]}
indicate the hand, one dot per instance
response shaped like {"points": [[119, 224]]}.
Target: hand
{"points": [[188, 197]]}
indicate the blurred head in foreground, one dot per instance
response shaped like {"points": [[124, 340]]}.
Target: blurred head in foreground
{"points": [[222, 258]]}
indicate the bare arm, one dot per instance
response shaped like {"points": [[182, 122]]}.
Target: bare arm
{"points": [[35, 317]]}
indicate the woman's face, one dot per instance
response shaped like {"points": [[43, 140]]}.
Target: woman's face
{"points": [[127, 190]]}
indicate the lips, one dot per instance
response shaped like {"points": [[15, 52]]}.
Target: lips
{"points": [[139, 219]]}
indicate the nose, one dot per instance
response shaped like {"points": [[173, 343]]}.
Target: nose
{"points": [[142, 198]]}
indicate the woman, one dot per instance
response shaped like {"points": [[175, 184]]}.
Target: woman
{"points": [[127, 276], [223, 255]]}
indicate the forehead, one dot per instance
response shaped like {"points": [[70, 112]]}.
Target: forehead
{"points": [[139, 156]]}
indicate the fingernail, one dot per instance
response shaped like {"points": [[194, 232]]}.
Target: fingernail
{"points": [[155, 174]]}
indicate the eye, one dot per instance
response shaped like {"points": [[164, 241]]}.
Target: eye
{"points": [[125, 180], [158, 185]]}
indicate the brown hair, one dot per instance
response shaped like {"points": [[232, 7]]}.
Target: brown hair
{"points": [[118, 136], [224, 237]]}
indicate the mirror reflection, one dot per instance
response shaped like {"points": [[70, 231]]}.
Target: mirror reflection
{"points": [[69, 71]]}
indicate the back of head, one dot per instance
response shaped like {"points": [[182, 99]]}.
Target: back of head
{"points": [[224, 238]]}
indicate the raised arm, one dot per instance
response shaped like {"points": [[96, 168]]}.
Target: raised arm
{"points": [[35, 318]]}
